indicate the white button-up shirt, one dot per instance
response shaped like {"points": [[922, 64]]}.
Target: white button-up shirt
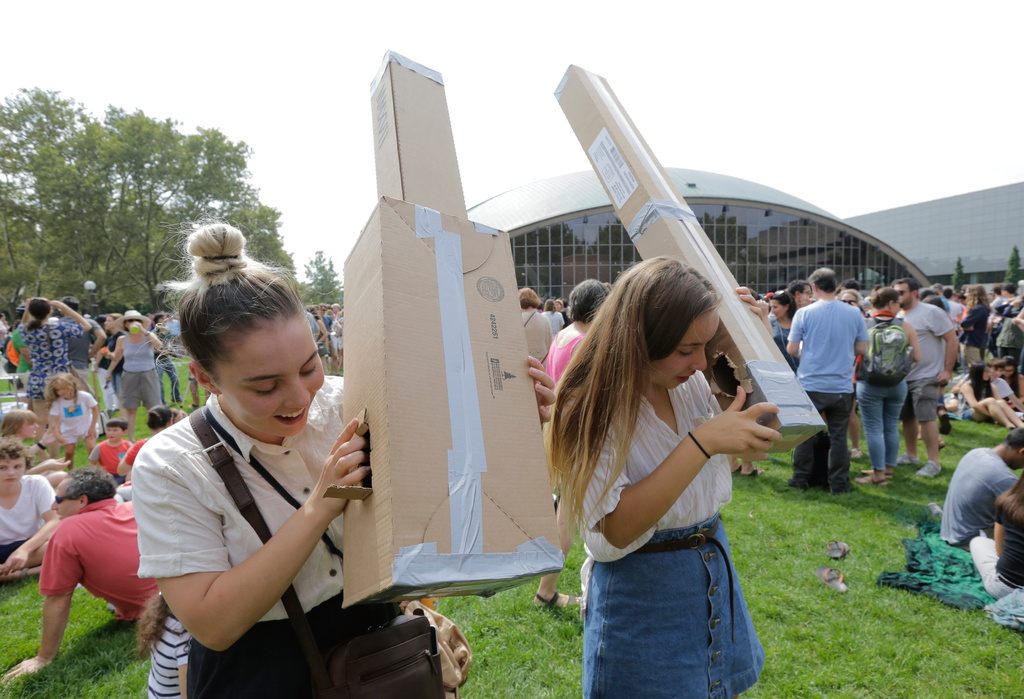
{"points": [[188, 522], [653, 441]]}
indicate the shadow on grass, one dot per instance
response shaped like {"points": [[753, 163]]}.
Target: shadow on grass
{"points": [[100, 656]]}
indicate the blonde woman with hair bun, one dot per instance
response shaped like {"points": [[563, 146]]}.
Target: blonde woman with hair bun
{"points": [[244, 328]]}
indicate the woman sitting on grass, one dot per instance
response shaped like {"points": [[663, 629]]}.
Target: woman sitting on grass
{"points": [[637, 448], [1000, 560], [23, 426], [986, 396], [27, 517]]}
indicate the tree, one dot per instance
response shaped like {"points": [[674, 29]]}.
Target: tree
{"points": [[109, 200], [958, 275], [1013, 267], [322, 284]]}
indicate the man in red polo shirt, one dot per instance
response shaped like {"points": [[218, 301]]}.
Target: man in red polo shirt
{"points": [[95, 544]]}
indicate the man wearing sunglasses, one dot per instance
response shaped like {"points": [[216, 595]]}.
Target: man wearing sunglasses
{"points": [[94, 545]]}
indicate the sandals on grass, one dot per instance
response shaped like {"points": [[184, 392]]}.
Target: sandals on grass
{"points": [[831, 577], [557, 600], [837, 549]]}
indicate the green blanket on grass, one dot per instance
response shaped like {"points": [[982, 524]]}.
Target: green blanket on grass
{"points": [[936, 569]]}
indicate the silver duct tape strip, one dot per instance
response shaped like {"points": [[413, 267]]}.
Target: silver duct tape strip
{"points": [[486, 230], [699, 242], [467, 459], [655, 209], [392, 57], [775, 382], [421, 566]]}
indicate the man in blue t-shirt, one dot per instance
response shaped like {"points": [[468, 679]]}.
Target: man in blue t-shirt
{"points": [[826, 336]]}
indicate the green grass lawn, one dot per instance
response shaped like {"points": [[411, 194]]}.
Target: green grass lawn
{"points": [[870, 642]]}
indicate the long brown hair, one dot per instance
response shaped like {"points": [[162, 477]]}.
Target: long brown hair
{"points": [[150, 626], [649, 309], [1011, 504]]}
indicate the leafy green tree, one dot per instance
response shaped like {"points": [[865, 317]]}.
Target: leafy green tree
{"points": [[109, 200], [1013, 267], [958, 275], [322, 284]]}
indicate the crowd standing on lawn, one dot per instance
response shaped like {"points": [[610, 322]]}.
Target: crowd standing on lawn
{"points": [[642, 481]]}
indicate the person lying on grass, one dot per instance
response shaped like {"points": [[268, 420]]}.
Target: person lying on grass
{"points": [[27, 519], [95, 545]]}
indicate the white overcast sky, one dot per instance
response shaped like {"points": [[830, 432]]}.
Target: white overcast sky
{"points": [[854, 107]]}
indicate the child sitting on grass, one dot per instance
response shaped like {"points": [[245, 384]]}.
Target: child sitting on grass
{"points": [[23, 426], [110, 451], [74, 414], [27, 517]]}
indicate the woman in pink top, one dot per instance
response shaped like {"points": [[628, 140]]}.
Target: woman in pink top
{"points": [[584, 301]]}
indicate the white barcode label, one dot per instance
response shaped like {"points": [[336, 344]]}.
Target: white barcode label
{"points": [[618, 179]]}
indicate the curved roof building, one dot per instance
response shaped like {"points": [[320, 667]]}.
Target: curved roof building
{"points": [[563, 230]]}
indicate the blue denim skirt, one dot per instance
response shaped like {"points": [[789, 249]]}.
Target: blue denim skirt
{"points": [[659, 625]]}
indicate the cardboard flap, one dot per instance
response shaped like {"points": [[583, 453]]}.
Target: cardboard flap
{"points": [[477, 240]]}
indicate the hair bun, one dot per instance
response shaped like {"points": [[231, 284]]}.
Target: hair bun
{"points": [[218, 252]]}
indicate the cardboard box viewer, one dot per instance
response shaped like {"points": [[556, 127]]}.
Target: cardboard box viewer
{"points": [[660, 223], [436, 355]]}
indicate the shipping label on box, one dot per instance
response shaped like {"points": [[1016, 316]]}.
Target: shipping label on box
{"points": [[435, 353]]}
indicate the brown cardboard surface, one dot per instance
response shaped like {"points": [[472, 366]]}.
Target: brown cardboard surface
{"points": [[396, 370], [634, 179], [436, 355], [414, 149]]}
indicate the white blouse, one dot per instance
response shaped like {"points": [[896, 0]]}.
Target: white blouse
{"points": [[188, 522], [653, 440]]}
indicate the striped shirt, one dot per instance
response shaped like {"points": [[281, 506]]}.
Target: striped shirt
{"points": [[169, 653]]}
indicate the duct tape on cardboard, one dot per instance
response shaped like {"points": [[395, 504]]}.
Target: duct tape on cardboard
{"points": [[655, 209], [776, 383], [422, 567], [392, 57], [467, 459]]}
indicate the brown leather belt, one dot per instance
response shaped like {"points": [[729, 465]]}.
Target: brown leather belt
{"points": [[705, 535]]}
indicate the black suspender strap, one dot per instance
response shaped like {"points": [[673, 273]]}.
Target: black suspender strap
{"points": [[260, 469], [240, 493]]}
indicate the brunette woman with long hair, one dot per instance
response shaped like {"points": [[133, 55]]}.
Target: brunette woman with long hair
{"points": [[979, 390], [975, 325], [638, 451]]}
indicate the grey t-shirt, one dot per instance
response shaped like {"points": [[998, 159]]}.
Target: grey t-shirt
{"points": [[931, 323], [971, 500], [78, 347]]}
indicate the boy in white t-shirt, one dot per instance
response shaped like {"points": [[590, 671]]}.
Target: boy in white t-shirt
{"points": [[27, 517], [73, 415]]}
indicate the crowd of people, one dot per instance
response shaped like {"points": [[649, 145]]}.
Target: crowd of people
{"points": [[85, 381], [642, 459]]}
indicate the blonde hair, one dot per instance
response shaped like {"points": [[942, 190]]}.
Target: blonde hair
{"points": [[14, 420], [643, 319], [976, 296], [54, 383], [227, 292]]}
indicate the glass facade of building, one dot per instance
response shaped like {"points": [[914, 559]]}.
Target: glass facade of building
{"points": [[764, 248]]}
